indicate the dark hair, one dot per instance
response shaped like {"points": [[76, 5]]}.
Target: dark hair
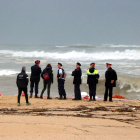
{"points": [[49, 66]]}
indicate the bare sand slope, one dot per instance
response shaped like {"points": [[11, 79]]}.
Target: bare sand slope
{"points": [[67, 128], [68, 120]]}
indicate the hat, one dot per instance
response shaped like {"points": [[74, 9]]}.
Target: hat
{"points": [[78, 64], [108, 64], [37, 61], [92, 64], [60, 64]]}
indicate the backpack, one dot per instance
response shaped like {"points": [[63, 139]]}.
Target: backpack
{"points": [[46, 76]]}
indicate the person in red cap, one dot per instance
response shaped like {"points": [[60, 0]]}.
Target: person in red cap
{"points": [[35, 78], [111, 78], [77, 73]]}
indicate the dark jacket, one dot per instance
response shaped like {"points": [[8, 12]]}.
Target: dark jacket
{"points": [[50, 73], [77, 73], [35, 73], [110, 75], [92, 78], [22, 80]]}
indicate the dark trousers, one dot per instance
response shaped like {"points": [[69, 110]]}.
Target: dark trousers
{"points": [[92, 91], [77, 91], [61, 89], [47, 84], [110, 89], [32, 87], [20, 92]]}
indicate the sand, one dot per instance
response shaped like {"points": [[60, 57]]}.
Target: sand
{"points": [[68, 120]]}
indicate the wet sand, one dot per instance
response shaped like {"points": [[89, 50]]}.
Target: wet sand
{"points": [[60, 119]]}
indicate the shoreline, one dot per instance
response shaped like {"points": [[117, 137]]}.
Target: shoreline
{"points": [[67, 119]]}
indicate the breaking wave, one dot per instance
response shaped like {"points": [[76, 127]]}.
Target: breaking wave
{"points": [[74, 55]]}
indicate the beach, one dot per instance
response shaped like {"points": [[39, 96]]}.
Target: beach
{"points": [[66, 119]]}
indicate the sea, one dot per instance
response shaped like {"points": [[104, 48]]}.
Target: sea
{"points": [[125, 59]]}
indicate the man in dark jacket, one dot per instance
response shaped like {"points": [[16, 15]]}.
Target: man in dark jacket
{"points": [[92, 80], [48, 82], [111, 78], [77, 73], [22, 83], [35, 78]]}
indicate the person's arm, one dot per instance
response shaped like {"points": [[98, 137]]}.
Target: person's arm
{"points": [[52, 76], [42, 74], [65, 76], [73, 73], [17, 81], [27, 79]]}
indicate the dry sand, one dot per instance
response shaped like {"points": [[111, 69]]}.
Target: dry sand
{"points": [[68, 120]]}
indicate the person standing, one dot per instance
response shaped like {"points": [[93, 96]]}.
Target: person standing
{"points": [[111, 78], [77, 73], [47, 76], [61, 75], [35, 78], [92, 80], [22, 83]]}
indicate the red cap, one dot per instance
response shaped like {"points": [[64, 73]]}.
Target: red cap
{"points": [[108, 64]]}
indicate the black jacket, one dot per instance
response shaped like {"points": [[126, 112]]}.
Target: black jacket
{"points": [[22, 80], [77, 73], [35, 73], [92, 79], [50, 73], [110, 75]]}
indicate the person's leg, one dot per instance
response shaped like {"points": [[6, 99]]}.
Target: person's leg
{"points": [[44, 88], [90, 94], [110, 93], [64, 92], [31, 88], [76, 91], [79, 92], [48, 89], [106, 93], [60, 88], [36, 89], [19, 94], [26, 95], [94, 92]]}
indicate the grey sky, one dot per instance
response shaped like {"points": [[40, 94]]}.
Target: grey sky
{"points": [[67, 22]]}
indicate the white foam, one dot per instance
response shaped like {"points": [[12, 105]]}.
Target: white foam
{"points": [[73, 55], [7, 72]]}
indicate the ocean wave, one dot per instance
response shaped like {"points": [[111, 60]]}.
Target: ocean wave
{"points": [[75, 55], [61, 46], [8, 72]]}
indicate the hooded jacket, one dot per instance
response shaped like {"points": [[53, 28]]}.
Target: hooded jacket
{"points": [[50, 73], [92, 76], [22, 80]]}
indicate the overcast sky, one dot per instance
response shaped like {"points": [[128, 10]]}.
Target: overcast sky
{"points": [[67, 22]]}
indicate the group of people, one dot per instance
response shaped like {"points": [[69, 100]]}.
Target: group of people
{"points": [[47, 76]]}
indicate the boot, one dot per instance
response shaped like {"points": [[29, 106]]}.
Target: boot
{"points": [[94, 99], [60, 97], [65, 97], [41, 96], [36, 95]]}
